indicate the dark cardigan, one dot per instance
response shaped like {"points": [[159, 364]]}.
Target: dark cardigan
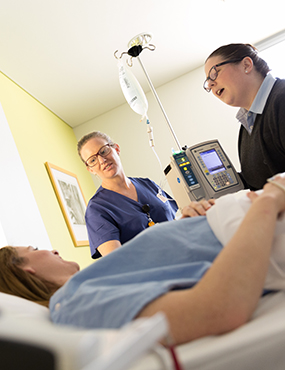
{"points": [[262, 154]]}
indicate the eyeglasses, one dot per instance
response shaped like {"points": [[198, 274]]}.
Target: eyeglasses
{"points": [[213, 74], [103, 152]]}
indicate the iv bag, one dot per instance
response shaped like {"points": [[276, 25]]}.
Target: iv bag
{"points": [[132, 90]]}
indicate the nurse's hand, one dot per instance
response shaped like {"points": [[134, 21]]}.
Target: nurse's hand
{"points": [[195, 209]]}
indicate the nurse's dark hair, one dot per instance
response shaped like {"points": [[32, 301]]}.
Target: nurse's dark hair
{"points": [[240, 51], [90, 136], [16, 281]]}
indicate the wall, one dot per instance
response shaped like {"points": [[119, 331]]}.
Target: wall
{"points": [[3, 239], [41, 137], [20, 219], [194, 114]]}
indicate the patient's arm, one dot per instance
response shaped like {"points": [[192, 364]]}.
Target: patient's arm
{"points": [[108, 247], [197, 208], [227, 295]]}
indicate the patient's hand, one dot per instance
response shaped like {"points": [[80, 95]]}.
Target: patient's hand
{"points": [[197, 208]]}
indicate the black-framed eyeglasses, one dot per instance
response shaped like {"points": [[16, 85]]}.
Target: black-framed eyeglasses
{"points": [[213, 74], [103, 152]]}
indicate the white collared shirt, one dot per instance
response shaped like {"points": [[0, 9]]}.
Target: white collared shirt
{"points": [[247, 117]]}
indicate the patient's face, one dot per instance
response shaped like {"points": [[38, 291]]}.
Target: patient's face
{"points": [[47, 265]]}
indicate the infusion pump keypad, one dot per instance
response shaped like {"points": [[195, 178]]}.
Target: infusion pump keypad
{"points": [[221, 180], [215, 166]]}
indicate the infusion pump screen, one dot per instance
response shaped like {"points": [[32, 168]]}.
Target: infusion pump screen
{"points": [[212, 161]]}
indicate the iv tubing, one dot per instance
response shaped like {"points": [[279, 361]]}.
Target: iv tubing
{"points": [[159, 103]]}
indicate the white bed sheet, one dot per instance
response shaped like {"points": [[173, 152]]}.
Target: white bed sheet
{"points": [[259, 344], [23, 322]]}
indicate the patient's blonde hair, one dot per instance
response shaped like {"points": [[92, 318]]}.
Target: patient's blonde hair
{"points": [[15, 281]]}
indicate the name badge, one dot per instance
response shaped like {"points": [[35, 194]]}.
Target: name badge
{"points": [[161, 197]]}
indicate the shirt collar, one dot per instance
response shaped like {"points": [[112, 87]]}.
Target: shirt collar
{"points": [[262, 94], [259, 100]]}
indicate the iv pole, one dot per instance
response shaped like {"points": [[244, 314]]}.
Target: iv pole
{"points": [[142, 40]]}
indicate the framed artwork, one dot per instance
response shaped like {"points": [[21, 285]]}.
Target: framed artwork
{"points": [[71, 201]]}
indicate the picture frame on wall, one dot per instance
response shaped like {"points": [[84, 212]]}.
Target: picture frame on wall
{"points": [[72, 202]]}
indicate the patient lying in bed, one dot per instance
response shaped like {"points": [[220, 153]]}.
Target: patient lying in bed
{"points": [[225, 218], [178, 267]]}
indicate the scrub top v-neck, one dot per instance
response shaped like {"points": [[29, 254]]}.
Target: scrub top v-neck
{"points": [[113, 216]]}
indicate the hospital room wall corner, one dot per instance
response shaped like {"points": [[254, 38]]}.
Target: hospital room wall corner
{"points": [[194, 115], [33, 135]]}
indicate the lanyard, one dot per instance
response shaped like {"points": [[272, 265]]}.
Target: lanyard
{"points": [[146, 209]]}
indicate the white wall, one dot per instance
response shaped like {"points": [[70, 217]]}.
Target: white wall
{"points": [[20, 220], [195, 115], [3, 240]]}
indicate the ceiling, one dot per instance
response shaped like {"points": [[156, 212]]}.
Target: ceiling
{"points": [[62, 51]]}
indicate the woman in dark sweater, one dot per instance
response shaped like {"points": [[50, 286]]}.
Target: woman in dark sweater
{"points": [[240, 78]]}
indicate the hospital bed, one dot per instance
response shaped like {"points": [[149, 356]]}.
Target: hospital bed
{"points": [[28, 340]]}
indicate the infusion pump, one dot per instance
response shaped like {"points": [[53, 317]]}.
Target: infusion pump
{"points": [[201, 171]]}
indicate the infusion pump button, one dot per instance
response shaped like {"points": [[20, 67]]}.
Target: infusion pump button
{"points": [[221, 180], [196, 186]]}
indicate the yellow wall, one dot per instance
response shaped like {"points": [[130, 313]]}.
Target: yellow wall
{"points": [[40, 137]]}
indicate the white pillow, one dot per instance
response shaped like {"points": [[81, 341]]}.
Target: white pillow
{"points": [[22, 308]]}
